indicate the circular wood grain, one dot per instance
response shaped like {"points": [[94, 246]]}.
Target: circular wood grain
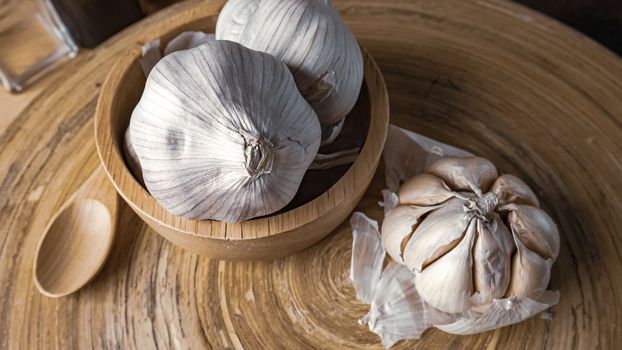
{"points": [[537, 98]]}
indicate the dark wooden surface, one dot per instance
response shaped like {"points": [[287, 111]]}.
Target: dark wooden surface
{"points": [[90, 22], [599, 19]]}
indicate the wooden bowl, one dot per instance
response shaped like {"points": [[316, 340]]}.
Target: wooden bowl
{"points": [[268, 237]]}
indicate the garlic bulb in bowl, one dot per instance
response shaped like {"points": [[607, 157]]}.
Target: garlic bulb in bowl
{"points": [[222, 133], [471, 236], [308, 36]]}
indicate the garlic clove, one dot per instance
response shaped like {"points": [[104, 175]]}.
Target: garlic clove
{"points": [[407, 154], [502, 234], [311, 39], [491, 265], [398, 226], [535, 228], [396, 311], [222, 133], [447, 283], [530, 272], [472, 173], [511, 189], [440, 232], [424, 189]]}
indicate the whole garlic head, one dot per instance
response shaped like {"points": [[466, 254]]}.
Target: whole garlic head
{"points": [[309, 36], [470, 236], [221, 132]]}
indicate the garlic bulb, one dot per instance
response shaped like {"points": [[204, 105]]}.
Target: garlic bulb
{"points": [[461, 237], [309, 36], [221, 132], [471, 236]]}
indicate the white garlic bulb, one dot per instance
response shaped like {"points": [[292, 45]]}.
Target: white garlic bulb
{"points": [[471, 236], [310, 37], [221, 132]]}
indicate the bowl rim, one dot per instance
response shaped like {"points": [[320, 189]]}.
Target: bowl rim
{"points": [[141, 201]]}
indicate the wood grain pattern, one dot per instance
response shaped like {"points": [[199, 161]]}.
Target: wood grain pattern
{"points": [[79, 237], [272, 236], [13, 104], [540, 100]]}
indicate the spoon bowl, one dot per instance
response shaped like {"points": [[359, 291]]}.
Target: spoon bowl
{"points": [[78, 239]]}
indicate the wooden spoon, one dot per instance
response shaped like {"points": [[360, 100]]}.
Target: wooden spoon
{"points": [[77, 240]]}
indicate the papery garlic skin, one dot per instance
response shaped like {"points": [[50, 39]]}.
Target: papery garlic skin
{"points": [[473, 236], [311, 39], [222, 133], [187, 40], [131, 158]]}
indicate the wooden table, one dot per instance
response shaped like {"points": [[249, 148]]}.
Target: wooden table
{"points": [[13, 104], [537, 98]]}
